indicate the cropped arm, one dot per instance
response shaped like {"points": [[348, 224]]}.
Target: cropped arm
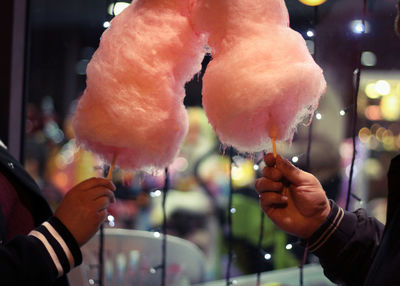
{"points": [[39, 258], [346, 244]]}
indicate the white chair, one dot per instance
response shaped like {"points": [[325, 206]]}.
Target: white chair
{"points": [[134, 257]]}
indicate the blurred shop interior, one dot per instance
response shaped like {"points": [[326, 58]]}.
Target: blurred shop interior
{"points": [[48, 46]]}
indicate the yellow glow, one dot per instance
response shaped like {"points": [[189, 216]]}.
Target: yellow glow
{"points": [[389, 146], [387, 133], [373, 168], [370, 91], [382, 87], [379, 133], [237, 173], [364, 134], [390, 107], [243, 174], [388, 141], [312, 2]]}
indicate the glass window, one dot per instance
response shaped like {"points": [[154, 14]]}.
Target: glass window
{"points": [[344, 38]]}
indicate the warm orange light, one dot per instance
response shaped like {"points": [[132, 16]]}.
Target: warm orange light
{"points": [[364, 134], [373, 112], [60, 180], [312, 2]]}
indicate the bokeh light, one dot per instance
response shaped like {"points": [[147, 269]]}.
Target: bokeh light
{"points": [[364, 134], [373, 112], [310, 33], [117, 7], [390, 107], [243, 173], [370, 91], [379, 133], [373, 168], [359, 27], [368, 59], [382, 87], [388, 141], [312, 2]]}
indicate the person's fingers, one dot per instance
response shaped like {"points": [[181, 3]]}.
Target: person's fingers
{"points": [[272, 173], [95, 182], [270, 160], [266, 185], [95, 193], [290, 172], [101, 215], [100, 204], [270, 199]]}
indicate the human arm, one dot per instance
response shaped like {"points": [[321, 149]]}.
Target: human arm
{"points": [[52, 249], [345, 242], [40, 258]]}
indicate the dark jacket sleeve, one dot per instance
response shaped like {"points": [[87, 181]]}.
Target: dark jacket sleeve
{"points": [[39, 258], [346, 245]]}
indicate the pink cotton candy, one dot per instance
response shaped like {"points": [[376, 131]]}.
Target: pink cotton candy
{"points": [[133, 102], [262, 81]]}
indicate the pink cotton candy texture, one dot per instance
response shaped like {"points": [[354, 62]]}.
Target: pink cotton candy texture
{"points": [[133, 102], [262, 81]]}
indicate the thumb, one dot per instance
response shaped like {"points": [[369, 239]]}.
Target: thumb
{"points": [[290, 172]]}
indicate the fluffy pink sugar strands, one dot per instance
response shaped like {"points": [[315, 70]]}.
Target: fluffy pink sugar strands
{"points": [[224, 21], [133, 102], [262, 81]]}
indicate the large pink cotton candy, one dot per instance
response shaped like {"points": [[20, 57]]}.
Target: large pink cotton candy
{"points": [[262, 81], [133, 102]]}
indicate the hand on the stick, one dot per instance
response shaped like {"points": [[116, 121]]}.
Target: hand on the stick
{"points": [[302, 207], [84, 207]]}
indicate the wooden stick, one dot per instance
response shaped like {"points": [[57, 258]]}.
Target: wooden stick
{"points": [[110, 171], [285, 188], [274, 146]]}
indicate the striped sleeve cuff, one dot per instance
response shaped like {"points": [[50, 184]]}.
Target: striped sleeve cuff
{"points": [[331, 236], [60, 245]]}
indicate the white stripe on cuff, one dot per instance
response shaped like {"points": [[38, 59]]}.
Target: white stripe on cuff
{"points": [[50, 250], [325, 232], [61, 241], [336, 224]]}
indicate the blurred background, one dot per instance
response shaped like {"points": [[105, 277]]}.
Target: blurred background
{"points": [[56, 40]]}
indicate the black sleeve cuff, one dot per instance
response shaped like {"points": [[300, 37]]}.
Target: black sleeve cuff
{"points": [[61, 246], [332, 235], [68, 238]]}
